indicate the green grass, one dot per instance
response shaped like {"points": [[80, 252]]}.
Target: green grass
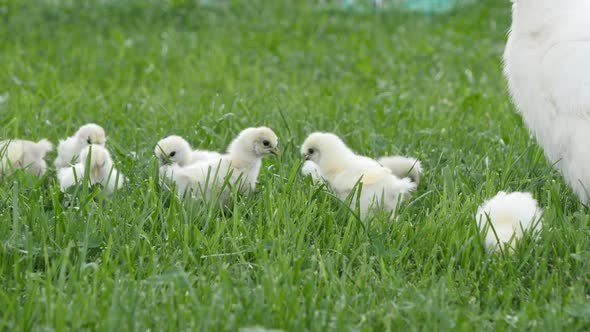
{"points": [[289, 256]]}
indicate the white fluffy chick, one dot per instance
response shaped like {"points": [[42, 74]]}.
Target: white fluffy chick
{"points": [[101, 170], [403, 167], [176, 150], [21, 154], [69, 149], [509, 214], [547, 65], [241, 163], [341, 168]]}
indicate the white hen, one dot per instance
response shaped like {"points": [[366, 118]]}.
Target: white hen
{"points": [[21, 154], [175, 149], [341, 168], [239, 166], [547, 65], [101, 169], [509, 214], [69, 149]]}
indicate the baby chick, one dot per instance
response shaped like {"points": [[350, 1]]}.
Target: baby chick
{"points": [[21, 154], [69, 149], [239, 166], [508, 214], [175, 149], [100, 167], [342, 169]]}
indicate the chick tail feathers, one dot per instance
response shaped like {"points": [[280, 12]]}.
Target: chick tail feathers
{"points": [[403, 167], [404, 186], [387, 194], [42, 147]]}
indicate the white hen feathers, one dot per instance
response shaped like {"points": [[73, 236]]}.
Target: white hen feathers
{"points": [[21, 154], [342, 169], [238, 167], [547, 65], [505, 216], [69, 149]]}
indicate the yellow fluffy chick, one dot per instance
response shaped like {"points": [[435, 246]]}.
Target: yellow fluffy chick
{"points": [[342, 169]]}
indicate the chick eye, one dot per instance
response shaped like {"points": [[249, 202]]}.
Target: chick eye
{"points": [[173, 153], [265, 142], [88, 140], [310, 151]]}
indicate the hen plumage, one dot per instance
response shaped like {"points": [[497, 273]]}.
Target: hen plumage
{"points": [[547, 65]]}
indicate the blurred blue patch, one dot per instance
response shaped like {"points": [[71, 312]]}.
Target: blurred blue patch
{"points": [[434, 6], [423, 6]]}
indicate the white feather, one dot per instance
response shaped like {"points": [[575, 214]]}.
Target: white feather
{"points": [[508, 214], [342, 169], [547, 65]]}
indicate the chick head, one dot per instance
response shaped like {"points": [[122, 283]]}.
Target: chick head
{"points": [[91, 134], [100, 159], [319, 147], [173, 150], [257, 142]]}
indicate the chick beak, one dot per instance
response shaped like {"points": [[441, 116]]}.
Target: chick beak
{"points": [[305, 156], [274, 151], [164, 161], [95, 171], [95, 140]]}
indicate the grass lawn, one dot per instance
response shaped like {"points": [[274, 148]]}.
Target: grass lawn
{"points": [[289, 256]]}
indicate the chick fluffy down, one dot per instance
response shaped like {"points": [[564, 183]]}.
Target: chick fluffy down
{"points": [[509, 214]]}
